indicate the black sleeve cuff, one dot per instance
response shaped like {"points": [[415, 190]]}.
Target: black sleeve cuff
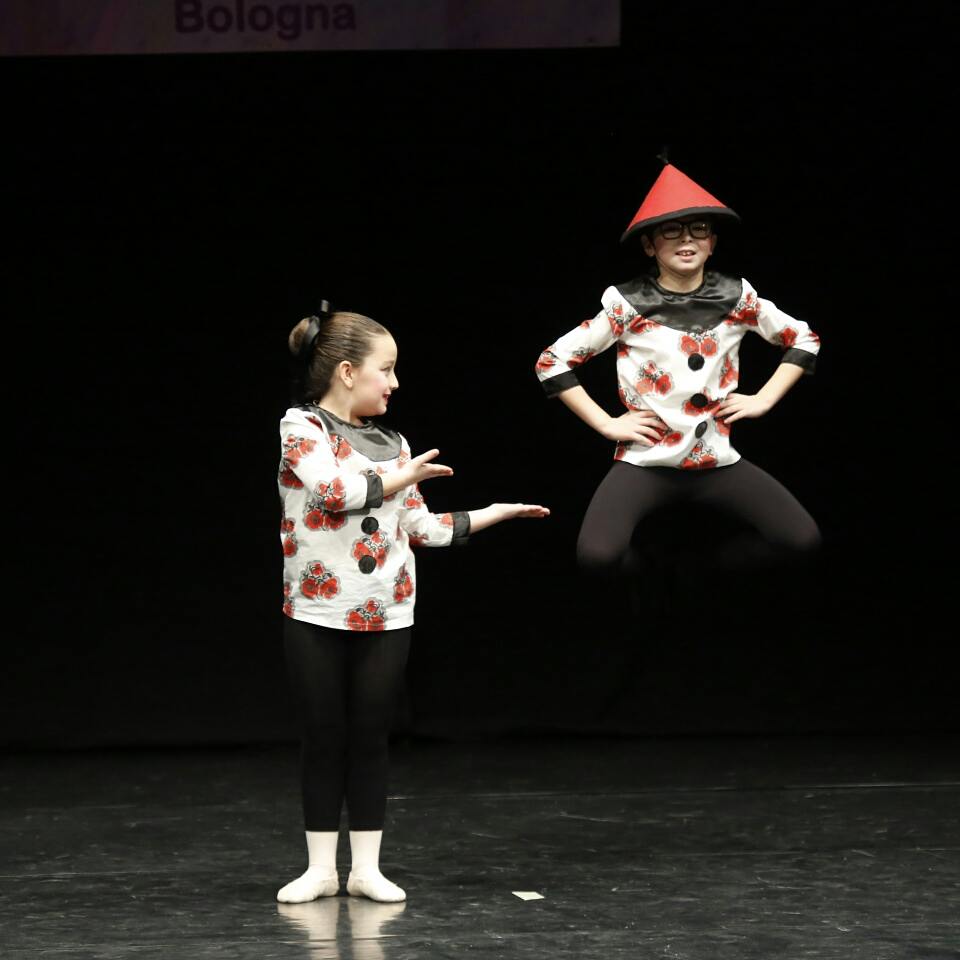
{"points": [[562, 381], [461, 528], [374, 490], [800, 358]]}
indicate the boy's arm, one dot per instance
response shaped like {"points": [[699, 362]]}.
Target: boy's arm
{"points": [[557, 365], [740, 405], [639, 426], [800, 347]]}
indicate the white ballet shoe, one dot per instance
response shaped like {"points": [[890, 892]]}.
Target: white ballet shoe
{"points": [[375, 886], [314, 883]]}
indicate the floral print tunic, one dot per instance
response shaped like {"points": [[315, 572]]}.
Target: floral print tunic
{"points": [[678, 354], [348, 562]]}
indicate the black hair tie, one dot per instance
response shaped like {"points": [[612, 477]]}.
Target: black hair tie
{"points": [[300, 365], [313, 331]]}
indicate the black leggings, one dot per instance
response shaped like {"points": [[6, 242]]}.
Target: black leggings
{"points": [[782, 528], [346, 686]]}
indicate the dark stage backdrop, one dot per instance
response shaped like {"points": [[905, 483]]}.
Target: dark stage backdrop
{"points": [[169, 218]]}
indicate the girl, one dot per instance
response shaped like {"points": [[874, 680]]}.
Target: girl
{"points": [[678, 333], [352, 509]]}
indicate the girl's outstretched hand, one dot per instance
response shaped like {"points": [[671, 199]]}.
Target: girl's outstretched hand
{"points": [[511, 511], [488, 516], [420, 468], [740, 405], [416, 470]]}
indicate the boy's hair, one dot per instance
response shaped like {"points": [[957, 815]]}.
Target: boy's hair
{"points": [[342, 336]]}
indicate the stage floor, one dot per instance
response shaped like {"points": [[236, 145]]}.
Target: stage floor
{"points": [[707, 849]]}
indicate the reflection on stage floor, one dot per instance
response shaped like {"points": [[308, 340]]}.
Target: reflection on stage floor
{"points": [[682, 848]]}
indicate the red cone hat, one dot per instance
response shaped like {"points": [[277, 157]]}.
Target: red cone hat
{"points": [[675, 195]]}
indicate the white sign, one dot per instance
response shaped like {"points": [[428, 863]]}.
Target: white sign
{"points": [[69, 27]]}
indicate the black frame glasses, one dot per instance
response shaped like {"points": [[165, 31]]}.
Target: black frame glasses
{"points": [[674, 229]]}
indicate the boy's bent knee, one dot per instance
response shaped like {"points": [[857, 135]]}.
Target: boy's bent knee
{"points": [[597, 560]]}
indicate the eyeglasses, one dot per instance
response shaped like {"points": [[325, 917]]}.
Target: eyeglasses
{"points": [[672, 229]]}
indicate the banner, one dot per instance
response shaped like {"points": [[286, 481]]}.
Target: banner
{"points": [[72, 27]]}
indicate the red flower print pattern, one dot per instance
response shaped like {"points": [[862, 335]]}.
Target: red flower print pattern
{"points": [[293, 449], [652, 378], [415, 500], [669, 438], [701, 457], [371, 545], [288, 604], [318, 583], [325, 510], [333, 495], [698, 342], [418, 539], [369, 616], [723, 428], [402, 585], [340, 447], [629, 399], [547, 360], [747, 314], [447, 519], [296, 447], [728, 374], [692, 410], [642, 325], [288, 478], [580, 356], [615, 316], [289, 537], [788, 337]]}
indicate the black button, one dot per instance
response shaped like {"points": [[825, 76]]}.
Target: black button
{"points": [[695, 361], [370, 525], [701, 429], [367, 564], [699, 400]]}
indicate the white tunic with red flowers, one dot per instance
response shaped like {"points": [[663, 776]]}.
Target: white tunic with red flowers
{"points": [[347, 558], [677, 355]]}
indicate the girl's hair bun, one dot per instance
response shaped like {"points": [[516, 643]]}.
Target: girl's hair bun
{"points": [[320, 343]]}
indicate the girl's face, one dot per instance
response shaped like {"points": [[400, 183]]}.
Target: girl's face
{"points": [[375, 379], [683, 256]]}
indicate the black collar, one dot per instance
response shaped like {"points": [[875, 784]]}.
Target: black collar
{"points": [[375, 442], [701, 309]]}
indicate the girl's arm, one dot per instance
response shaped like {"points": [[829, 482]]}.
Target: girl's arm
{"points": [[496, 512], [412, 472], [307, 460], [427, 529], [443, 529]]}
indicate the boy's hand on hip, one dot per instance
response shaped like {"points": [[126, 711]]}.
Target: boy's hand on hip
{"points": [[740, 405], [636, 426]]}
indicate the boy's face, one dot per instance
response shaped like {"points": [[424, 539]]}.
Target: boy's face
{"points": [[681, 246]]}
